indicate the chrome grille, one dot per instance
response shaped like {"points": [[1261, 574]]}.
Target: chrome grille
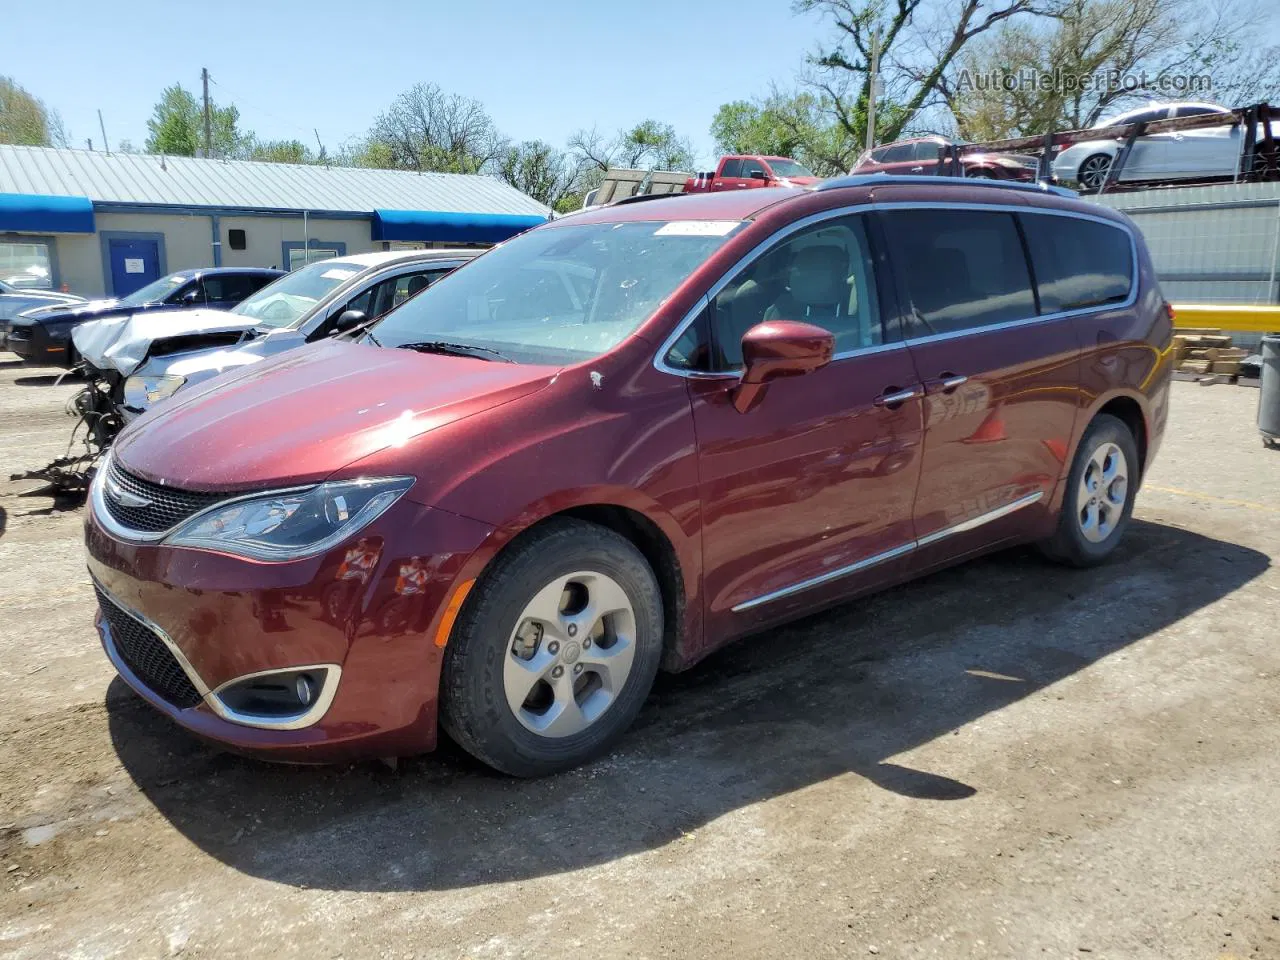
{"points": [[166, 507], [146, 655]]}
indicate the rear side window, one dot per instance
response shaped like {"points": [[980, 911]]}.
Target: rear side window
{"points": [[899, 152], [1078, 263], [960, 269]]}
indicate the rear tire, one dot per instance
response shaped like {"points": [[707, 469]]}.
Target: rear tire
{"points": [[1098, 502], [1092, 174], [555, 651]]}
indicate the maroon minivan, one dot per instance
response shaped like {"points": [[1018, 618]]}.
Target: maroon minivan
{"points": [[615, 443]]}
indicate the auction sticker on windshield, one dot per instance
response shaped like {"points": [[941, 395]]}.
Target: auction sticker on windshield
{"points": [[339, 274], [696, 228]]}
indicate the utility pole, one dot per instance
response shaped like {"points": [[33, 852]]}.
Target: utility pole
{"points": [[208, 127], [106, 144], [873, 88]]}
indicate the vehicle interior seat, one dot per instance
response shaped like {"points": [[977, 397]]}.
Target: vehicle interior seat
{"points": [[817, 287]]}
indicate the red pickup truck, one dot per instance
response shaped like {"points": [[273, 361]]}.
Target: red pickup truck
{"points": [[744, 172]]}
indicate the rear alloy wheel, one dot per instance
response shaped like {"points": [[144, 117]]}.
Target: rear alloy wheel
{"points": [[1093, 172], [1098, 501], [555, 651], [978, 175]]}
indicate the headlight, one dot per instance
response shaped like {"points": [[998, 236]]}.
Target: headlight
{"points": [[141, 392], [291, 524]]}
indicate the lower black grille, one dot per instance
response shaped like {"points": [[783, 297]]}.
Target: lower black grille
{"points": [[165, 507], [146, 655]]}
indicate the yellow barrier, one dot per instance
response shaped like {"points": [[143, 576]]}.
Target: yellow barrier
{"points": [[1227, 316]]}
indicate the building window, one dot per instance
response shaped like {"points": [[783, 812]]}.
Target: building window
{"points": [[27, 264], [236, 239], [296, 255]]}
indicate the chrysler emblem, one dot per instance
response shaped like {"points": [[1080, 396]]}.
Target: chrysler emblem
{"points": [[122, 496]]}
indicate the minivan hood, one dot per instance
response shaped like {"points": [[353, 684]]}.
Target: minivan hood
{"points": [[121, 343], [300, 416]]}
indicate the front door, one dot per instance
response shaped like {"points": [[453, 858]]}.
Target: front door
{"points": [[134, 262], [806, 498], [1001, 383]]}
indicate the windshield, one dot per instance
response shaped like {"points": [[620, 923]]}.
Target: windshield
{"points": [[156, 290], [558, 294], [789, 168], [288, 300]]}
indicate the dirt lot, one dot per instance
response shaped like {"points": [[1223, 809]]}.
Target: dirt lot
{"points": [[1004, 760]]}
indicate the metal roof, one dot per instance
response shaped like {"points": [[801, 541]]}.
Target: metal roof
{"points": [[144, 178]]}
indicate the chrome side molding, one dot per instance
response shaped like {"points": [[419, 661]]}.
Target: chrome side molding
{"points": [[900, 551]]}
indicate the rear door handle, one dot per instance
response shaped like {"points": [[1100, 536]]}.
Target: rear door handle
{"points": [[894, 397]]}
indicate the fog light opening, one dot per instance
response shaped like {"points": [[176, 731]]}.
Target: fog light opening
{"points": [[277, 698]]}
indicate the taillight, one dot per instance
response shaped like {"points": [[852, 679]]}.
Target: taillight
{"points": [[1168, 309]]}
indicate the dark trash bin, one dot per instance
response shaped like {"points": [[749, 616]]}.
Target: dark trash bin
{"points": [[1269, 395]]}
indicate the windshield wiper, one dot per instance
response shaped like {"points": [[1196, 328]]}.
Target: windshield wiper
{"points": [[455, 349]]}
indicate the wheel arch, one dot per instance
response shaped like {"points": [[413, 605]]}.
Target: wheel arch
{"points": [[671, 554]]}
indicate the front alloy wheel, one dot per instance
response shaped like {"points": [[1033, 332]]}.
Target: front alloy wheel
{"points": [[554, 651], [570, 655]]}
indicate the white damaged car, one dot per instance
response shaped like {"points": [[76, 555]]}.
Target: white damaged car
{"points": [[143, 359]]}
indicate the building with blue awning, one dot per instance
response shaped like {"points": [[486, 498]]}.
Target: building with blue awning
{"points": [[104, 224]]}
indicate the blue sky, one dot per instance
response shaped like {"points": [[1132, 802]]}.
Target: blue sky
{"points": [[542, 69]]}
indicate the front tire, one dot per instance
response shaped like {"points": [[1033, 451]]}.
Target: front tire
{"points": [[1098, 502], [555, 651]]}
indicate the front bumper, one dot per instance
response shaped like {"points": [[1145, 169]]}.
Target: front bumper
{"points": [[34, 343], [215, 620]]}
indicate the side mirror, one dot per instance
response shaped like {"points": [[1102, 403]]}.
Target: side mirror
{"points": [[192, 296], [348, 319], [776, 349], [759, 175]]}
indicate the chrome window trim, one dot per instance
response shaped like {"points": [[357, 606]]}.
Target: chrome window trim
{"points": [[329, 690], [659, 358], [899, 551]]}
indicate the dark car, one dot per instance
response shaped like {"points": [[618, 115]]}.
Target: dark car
{"points": [[43, 334], [16, 300], [617, 442], [922, 157]]}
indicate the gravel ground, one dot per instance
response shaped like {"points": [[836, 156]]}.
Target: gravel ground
{"points": [[1007, 759]]}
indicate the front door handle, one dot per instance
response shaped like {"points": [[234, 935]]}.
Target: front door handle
{"points": [[894, 397], [946, 382]]}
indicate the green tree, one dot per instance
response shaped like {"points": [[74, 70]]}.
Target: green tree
{"points": [[176, 126], [541, 171], [920, 41], [799, 124], [1157, 41], [427, 129], [279, 151], [649, 145], [26, 120]]}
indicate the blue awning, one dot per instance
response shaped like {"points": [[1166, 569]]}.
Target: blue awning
{"points": [[449, 227], [36, 213]]}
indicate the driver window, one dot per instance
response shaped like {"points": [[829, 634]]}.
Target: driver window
{"points": [[821, 275]]}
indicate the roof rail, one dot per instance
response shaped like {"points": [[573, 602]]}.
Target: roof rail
{"points": [[641, 197], [876, 179]]}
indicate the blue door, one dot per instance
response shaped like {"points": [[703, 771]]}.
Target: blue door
{"points": [[134, 264]]}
